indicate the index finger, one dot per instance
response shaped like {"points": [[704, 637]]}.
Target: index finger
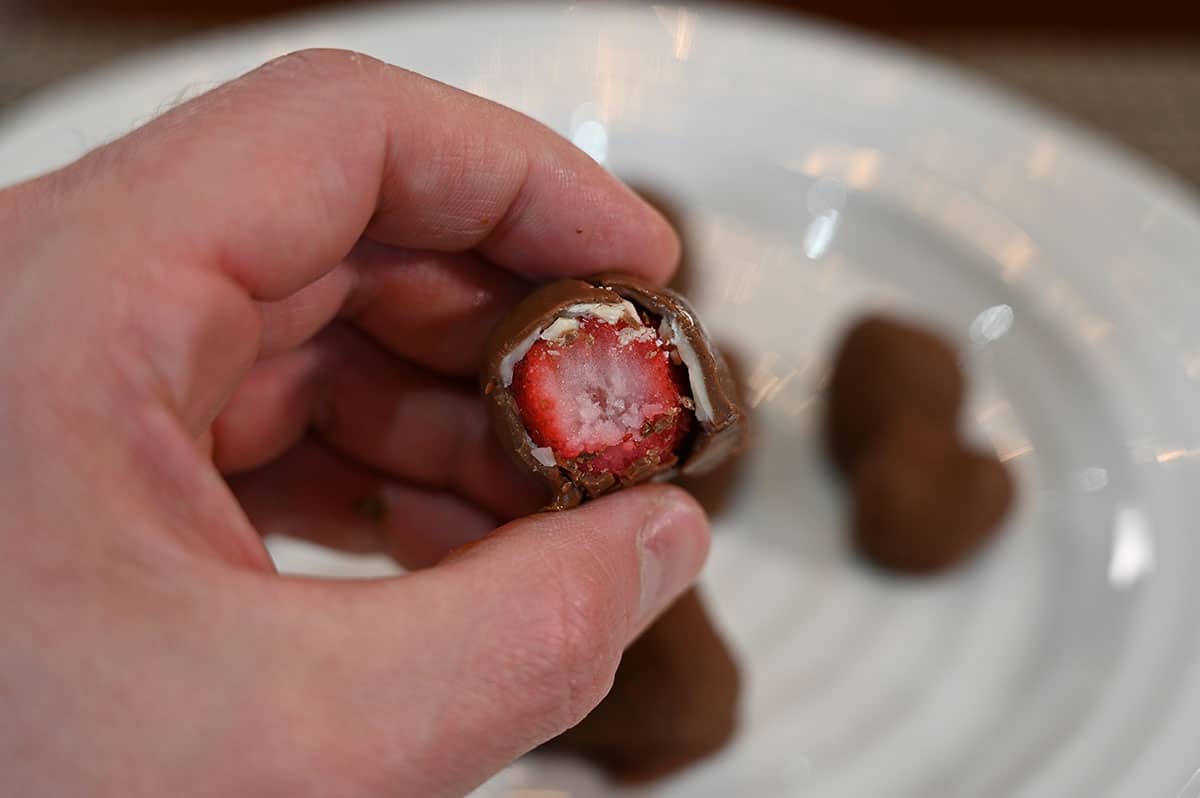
{"points": [[273, 178]]}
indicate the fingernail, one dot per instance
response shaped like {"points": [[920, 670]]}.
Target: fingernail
{"points": [[673, 544]]}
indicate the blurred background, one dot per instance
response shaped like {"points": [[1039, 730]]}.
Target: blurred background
{"points": [[1129, 69]]}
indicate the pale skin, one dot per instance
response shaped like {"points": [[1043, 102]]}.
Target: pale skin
{"points": [[262, 313]]}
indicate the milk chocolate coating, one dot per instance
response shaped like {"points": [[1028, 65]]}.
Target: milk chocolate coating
{"points": [[885, 368], [674, 700], [713, 441], [922, 503]]}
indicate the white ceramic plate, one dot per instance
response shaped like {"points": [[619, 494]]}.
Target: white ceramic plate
{"points": [[818, 175]]}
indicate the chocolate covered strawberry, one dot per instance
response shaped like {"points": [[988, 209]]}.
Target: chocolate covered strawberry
{"points": [[603, 383]]}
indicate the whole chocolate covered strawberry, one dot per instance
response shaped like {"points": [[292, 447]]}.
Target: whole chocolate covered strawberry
{"points": [[606, 382]]}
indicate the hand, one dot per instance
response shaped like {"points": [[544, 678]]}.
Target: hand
{"points": [[258, 314]]}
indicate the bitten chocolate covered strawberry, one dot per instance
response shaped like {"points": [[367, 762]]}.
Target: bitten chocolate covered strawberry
{"points": [[604, 394], [606, 382]]}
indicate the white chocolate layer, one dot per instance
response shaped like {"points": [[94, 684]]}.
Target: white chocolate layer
{"points": [[669, 332], [564, 324]]}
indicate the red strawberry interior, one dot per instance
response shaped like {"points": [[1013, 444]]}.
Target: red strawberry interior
{"points": [[604, 397]]}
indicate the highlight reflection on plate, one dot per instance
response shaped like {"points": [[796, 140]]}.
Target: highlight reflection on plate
{"points": [[819, 176]]}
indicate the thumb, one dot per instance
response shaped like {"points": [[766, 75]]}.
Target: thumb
{"points": [[454, 671]]}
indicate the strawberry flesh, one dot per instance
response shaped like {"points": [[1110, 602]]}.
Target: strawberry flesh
{"points": [[604, 397]]}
